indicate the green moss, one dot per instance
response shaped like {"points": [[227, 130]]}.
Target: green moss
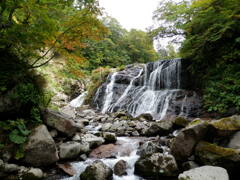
{"points": [[181, 121], [195, 122], [230, 123], [208, 148]]}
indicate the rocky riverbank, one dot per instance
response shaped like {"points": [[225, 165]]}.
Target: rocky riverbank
{"points": [[72, 143]]}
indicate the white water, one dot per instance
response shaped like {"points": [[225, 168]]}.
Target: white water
{"points": [[155, 89], [127, 90], [78, 102], [126, 143], [109, 93]]}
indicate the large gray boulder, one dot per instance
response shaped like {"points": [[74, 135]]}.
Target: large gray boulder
{"points": [[182, 146], [205, 173], [69, 150], [40, 150], [62, 122], [97, 171], [156, 165]]}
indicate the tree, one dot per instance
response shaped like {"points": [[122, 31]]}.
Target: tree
{"points": [[32, 29], [211, 29]]}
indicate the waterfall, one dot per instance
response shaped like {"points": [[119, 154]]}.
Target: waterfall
{"points": [[77, 102], [109, 93], [156, 88]]}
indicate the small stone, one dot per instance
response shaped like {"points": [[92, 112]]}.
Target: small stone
{"points": [[109, 137], [53, 133]]}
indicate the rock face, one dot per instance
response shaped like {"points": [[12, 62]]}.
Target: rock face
{"points": [[61, 122], [120, 168], [40, 149], [69, 150], [156, 165], [97, 171], [160, 88], [205, 173], [211, 154], [182, 146]]}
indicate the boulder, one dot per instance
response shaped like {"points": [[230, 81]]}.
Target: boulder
{"points": [[160, 128], [40, 150], [156, 165], [145, 117], [211, 154], [182, 146], [30, 174], [67, 168], [120, 168], [104, 151], [205, 173], [97, 171], [69, 150], [181, 121], [148, 148], [235, 141], [92, 140], [109, 137], [61, 122], [226, 126]]}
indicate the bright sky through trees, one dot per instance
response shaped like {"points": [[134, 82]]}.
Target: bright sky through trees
{"points": [[131, 13]]}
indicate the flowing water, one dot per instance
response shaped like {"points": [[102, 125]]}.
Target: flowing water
{"points": [[125, 143], [77, 102], [157, 88]]}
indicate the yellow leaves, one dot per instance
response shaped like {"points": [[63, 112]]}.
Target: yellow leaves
{"points": [[201, 3]]}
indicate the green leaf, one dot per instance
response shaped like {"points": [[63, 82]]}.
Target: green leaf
{"points": [[16, 138]]}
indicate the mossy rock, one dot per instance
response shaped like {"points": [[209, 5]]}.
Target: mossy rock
{"points": [[227, 124], [211, 154], [181, 121], [196, 122]]}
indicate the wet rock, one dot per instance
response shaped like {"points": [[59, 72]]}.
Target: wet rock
{"points": [[68, 110], [104, 151], [40, 149], [88, 112], [135, 133], [148, 148], [156, 165], [235, 141], [61, 122], [211, 154], [120, 168], [182, 146], [97, 171], [109, 137], [69, 150], [205, 173], [92, 140], [67, 168]]}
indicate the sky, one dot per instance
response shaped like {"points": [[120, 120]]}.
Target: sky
{"points": [[132, 14]]}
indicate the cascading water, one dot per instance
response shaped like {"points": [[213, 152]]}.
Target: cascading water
{"points": [[157, 88]]}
